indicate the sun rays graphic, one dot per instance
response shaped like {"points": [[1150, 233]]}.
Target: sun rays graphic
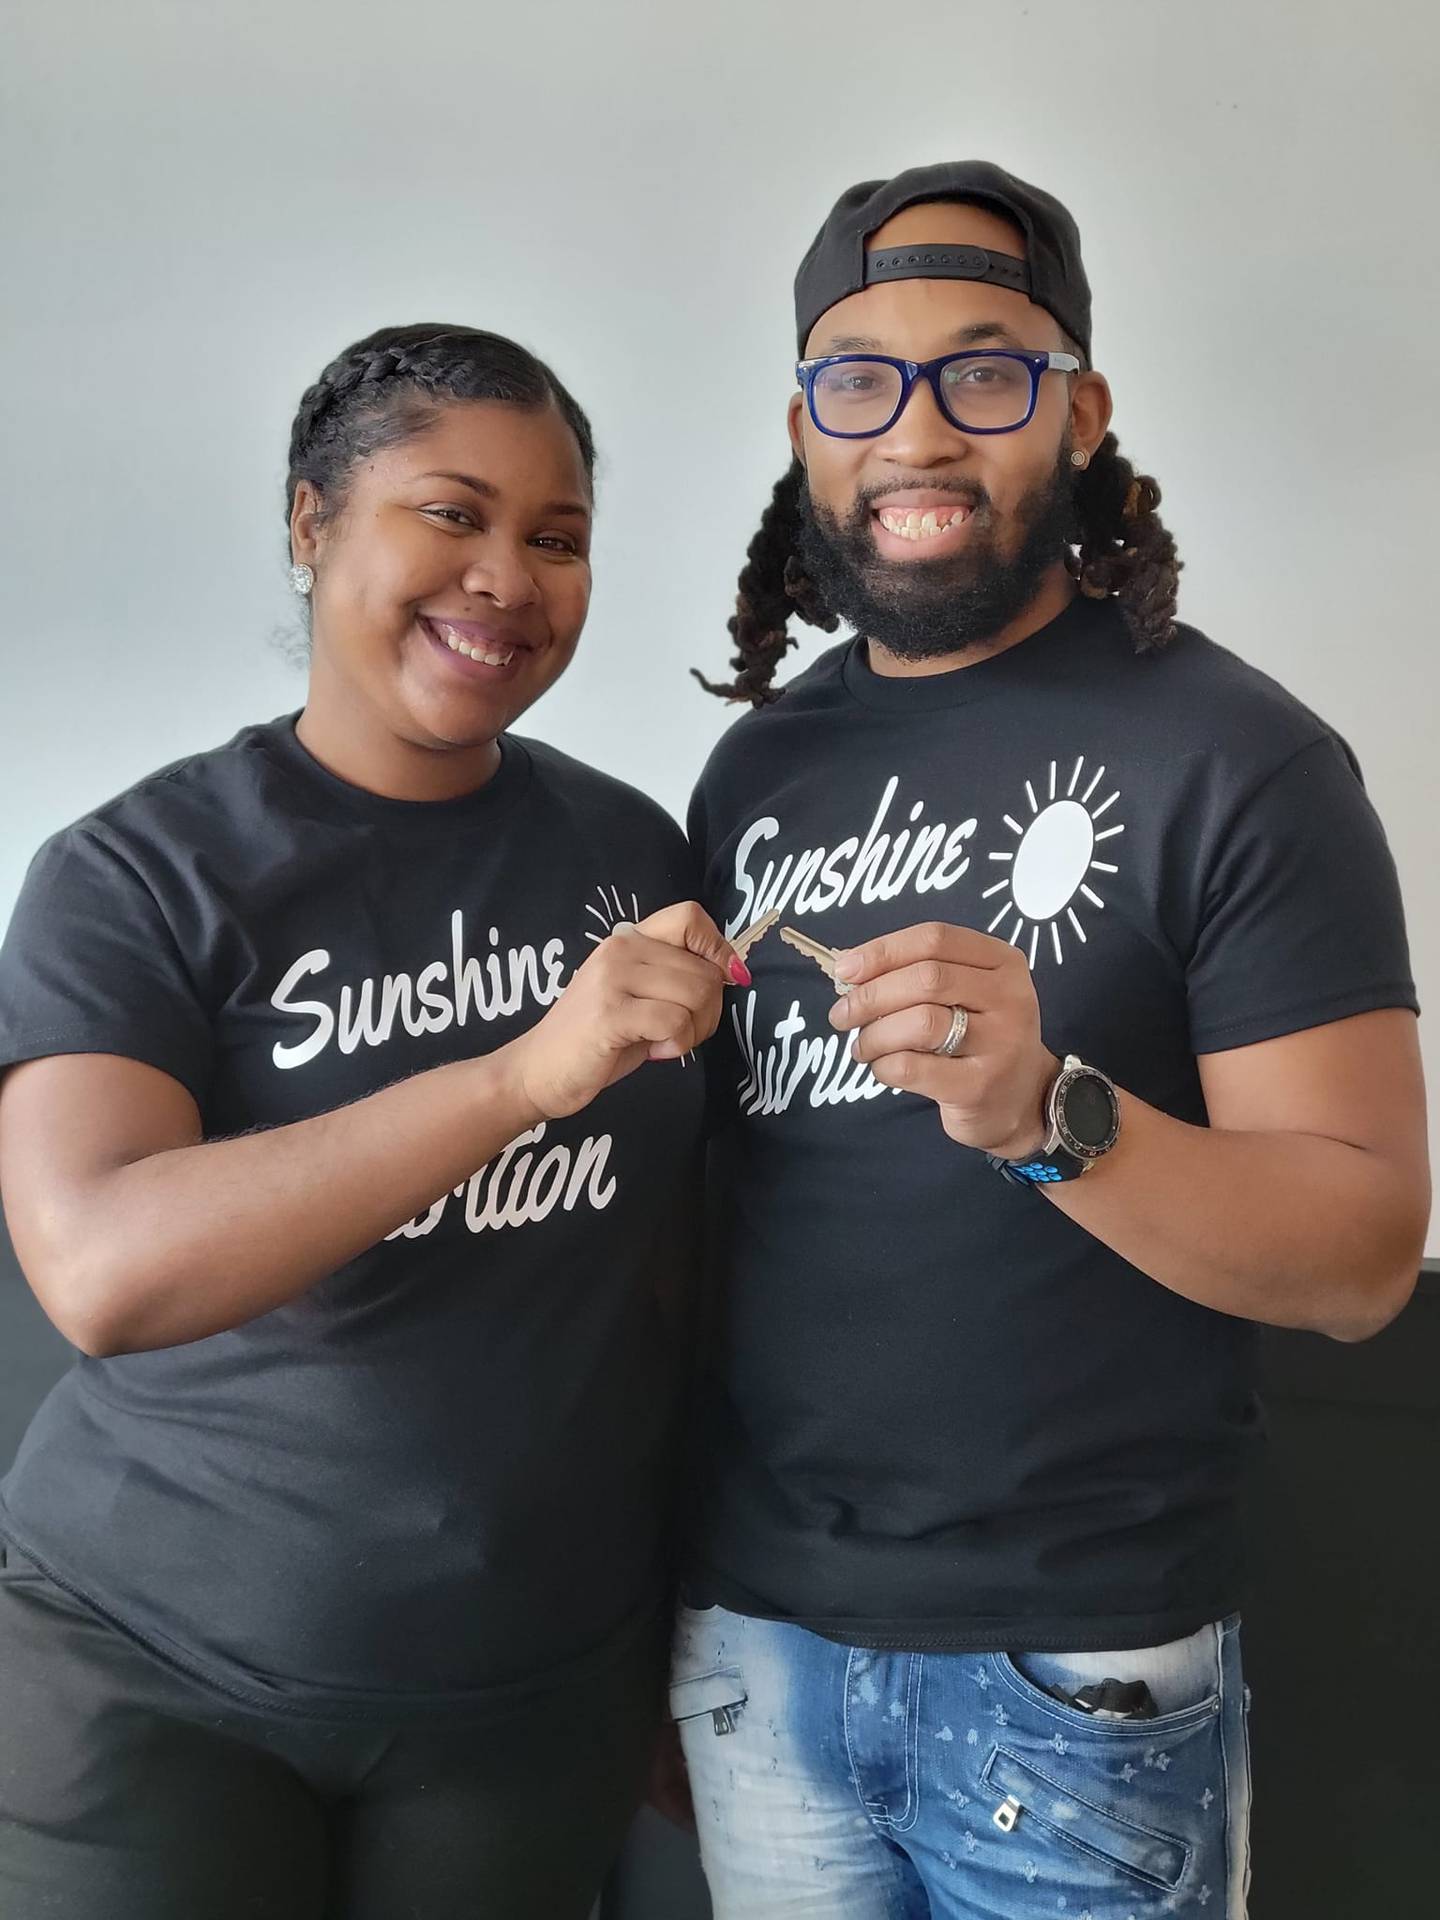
{"points": [[1049, 869], [610, 912]]}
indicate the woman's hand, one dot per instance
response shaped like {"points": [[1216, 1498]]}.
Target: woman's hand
{"points": [[136, 1232], [668, 1787], [648, 992]]}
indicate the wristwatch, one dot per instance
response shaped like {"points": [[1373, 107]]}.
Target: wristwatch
{"points": [[1083, 1113]]}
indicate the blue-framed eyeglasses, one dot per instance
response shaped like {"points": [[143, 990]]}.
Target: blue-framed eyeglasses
{"points": [[854, 396]]}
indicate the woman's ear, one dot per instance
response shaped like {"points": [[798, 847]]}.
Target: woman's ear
{"points": [[304, 525]]}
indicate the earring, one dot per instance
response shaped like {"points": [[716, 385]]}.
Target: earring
{"points": [[302, 580], [1079, 458]]}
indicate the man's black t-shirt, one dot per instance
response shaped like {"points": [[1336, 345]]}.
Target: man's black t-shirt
{"points": [[433, 1480], [941, 1414]]}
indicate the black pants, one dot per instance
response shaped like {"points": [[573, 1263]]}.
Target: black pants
{"points": [[127, 1793]]}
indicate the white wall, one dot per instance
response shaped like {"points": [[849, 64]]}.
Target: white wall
{"points": [[199, 204]]}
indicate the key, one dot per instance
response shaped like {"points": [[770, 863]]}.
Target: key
{"points": [[823, 956], [755, 932]]}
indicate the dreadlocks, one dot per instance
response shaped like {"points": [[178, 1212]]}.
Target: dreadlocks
{"points": [[772, 586], [1120, 549]]}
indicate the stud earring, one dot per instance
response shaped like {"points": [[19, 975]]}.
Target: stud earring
{"points": [[302, 580], [1079, 458]]}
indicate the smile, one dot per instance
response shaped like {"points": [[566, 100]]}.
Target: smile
{"points": [[909, 523], [472, 643]]}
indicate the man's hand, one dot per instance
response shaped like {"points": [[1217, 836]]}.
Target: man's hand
{"points": [[904, 988]]}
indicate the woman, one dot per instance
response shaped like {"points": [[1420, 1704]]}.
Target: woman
{"points": [[348, 1133]]}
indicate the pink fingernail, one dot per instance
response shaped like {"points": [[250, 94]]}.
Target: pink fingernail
{"points": [[740, 974]]}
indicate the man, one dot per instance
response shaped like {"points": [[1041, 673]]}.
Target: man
{"points": [[1127, 1063]]}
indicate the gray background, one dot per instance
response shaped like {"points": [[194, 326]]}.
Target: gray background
{"points": [[200, 204]]}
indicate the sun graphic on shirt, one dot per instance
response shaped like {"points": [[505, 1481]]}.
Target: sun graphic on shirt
{"points": [[610, 913], [1050, 869]]}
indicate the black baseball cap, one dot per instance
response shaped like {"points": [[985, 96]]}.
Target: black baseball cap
{"points": [[1051, 274]]}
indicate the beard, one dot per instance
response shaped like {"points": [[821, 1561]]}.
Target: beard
{"points": [[925, 609]]}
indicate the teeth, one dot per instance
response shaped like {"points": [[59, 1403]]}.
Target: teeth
{"points": [[913, 525], [457, 645]]}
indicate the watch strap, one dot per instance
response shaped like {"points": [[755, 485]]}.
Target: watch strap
{"points": [[1045, 1168]]}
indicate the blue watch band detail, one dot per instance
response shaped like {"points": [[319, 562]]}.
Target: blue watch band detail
{"points": [[1036, 1173], [1040, 1170]]}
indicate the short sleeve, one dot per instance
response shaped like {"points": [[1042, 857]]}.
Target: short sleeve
{"points": [[90, 965], [1301, 921]]}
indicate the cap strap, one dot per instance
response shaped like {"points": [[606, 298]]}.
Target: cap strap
{"points": [[948, 263]]}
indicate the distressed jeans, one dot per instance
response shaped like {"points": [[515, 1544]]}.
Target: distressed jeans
{"points": [[837, 1781]]}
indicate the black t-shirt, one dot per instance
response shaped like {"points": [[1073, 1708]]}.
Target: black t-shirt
{"points": [[941, 1414], [434, 1480]]}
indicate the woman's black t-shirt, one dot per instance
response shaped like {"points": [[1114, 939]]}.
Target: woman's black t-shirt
{"points": [[433, 1481]]}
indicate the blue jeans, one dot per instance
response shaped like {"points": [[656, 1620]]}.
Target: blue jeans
{"points": [[835, 1781]]}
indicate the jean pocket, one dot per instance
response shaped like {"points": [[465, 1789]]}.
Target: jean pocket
{"points": [[1192, 1685], [720, 1693], [1026, 1795]]}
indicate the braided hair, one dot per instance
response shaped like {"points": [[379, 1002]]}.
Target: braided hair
{"points": [[389, 386], [1119, 549]]}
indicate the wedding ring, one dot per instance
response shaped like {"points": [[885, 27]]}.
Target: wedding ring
{"points": [[951, 1044]]}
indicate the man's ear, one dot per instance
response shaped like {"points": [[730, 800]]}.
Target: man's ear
{"points": [[1090, 409], [795, 421]]}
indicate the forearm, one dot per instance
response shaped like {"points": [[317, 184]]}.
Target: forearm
{"points": [[197, 1239], [1303, 1204], [1291, 1229], [137, 1233]]}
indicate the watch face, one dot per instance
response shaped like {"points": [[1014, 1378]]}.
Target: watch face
{"points": [[1088, 1112]]}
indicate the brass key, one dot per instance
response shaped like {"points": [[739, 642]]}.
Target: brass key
{"points": [[816, 950], [755, 932]]}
